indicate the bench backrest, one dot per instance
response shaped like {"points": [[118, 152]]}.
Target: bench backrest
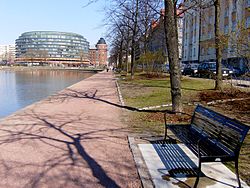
{"points": [[228, 133]]}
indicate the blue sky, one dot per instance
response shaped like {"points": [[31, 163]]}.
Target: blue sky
{"points": [[18, 16]]}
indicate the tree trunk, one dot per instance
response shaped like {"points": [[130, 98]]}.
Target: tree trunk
{"points": [[127, 49], [218, 81], [132, 59], [120, 55], [133, 38], [126, 61], [146, 24], [170, 28]]}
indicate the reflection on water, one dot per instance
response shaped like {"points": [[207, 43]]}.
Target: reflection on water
{"points": [[21, 88]]}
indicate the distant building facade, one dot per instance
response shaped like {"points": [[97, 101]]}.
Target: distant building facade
{"points": [[198, 33], [156, 40], [53, 48], [99, 56], [190, 40], [7, 54]]}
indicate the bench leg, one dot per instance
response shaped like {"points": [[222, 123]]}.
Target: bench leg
{"points": [[166, 127], [237, 172], [166, 133], [198, 174]]}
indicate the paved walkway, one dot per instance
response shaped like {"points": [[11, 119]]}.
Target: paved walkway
{"points": [[72, 139]]}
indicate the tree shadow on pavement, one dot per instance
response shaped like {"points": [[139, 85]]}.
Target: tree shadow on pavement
{"points": [[56, 134], [71, 94], [41, 149]]}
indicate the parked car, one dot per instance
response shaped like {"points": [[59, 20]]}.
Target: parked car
{"points": [[236, 70], [182, 67], [191, 69], [208, 69]]}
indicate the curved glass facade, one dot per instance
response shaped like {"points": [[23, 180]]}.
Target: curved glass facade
{"points": [[52, 47]]}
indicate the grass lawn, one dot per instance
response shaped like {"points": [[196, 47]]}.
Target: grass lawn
{"points": [[143, 92]]}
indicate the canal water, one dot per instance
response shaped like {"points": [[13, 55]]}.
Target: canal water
{"points": [[21, 88]]}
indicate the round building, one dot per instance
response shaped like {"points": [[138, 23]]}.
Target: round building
{"points": [[52, 47]]}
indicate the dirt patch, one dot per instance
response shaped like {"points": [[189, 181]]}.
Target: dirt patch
{"points": [[239, 109], [172, 118], [212, 95], [152, 75]]}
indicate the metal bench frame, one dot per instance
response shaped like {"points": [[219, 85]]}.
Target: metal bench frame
{"points": [[212, 137]]}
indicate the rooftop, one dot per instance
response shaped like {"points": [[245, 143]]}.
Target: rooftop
{"points": [[101, 41]]}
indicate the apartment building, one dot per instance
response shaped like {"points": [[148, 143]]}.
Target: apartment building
{"points": [[198, 32], [156, 37], [7, 53], [190, 39]]}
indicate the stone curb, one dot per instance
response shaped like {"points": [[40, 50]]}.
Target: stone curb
{"points": [[142, 169], [146, 180], [195, 103], [119, 94], [227, 100]]}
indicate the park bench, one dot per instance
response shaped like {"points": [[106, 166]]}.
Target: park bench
{"points": [[212, 137]]}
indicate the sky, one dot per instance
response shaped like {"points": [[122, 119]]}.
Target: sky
{"points": [[19, 16]]}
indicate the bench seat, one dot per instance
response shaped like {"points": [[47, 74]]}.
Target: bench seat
{"points": [[212, 137]]}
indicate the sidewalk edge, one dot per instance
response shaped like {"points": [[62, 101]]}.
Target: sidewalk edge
{"points": [[141, 166]]}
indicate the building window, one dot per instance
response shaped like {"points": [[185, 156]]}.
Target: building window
{"points": [[234, 26], [224, 50], [226, 12], [234, 5], [202, 51], [226, 29], [194, 35], [211, 18], [194, 52], [209, 34], [248, 22], [209, 52]]}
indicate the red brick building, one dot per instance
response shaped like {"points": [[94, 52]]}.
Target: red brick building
{"points": [[99, 56]]}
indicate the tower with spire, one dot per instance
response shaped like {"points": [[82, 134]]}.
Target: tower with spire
{"points": [[99, 56]]}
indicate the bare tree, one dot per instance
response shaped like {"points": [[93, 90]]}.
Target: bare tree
{"points": [[170, 28], [240, 43], [132, 18], [117, 36], [134, 34], [218, 39], [149, 10], [218, 81]]}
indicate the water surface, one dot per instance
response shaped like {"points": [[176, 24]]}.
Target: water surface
{"points": [[21, 88]]}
